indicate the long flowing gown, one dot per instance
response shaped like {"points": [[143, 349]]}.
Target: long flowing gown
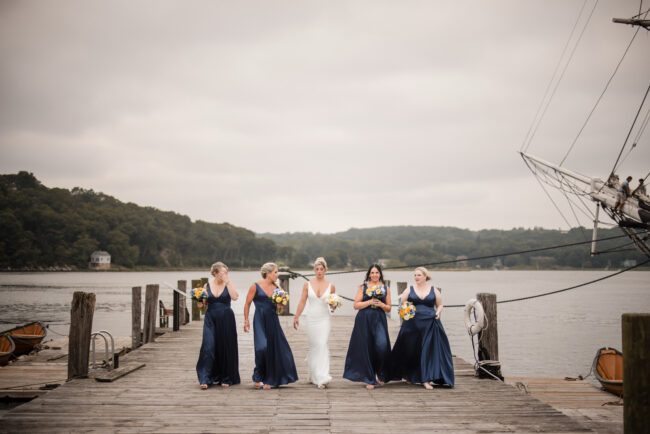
{"points": [[421, 352], [219, 357], [368, 355], [317, 324], [274, 363]]}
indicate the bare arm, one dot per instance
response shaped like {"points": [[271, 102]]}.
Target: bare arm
{"points": [[247, 306], [358, 304], [404, 295], [386, 304], [232, 291], [333, 290], [301, 305], [439, 305]]}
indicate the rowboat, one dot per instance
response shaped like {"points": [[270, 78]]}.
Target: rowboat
{"points": [[26, 337], [7, 347], [608, 369]]}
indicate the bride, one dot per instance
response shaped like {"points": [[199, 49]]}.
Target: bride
{"points": [[317, 323]]}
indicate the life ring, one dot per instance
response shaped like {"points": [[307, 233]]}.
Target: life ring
{"points": [[475, 322]]}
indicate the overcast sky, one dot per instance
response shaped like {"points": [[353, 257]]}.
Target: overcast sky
{"points": [[284, 116]]}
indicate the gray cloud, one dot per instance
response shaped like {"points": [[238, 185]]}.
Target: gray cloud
{"points": [[286, 116]]}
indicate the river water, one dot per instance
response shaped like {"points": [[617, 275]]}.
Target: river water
{"points": [[555, 335]]}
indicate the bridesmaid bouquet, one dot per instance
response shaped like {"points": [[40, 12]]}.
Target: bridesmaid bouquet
{"points": [[280, 298], [376, 291], [199, 294], [407, 310], [334, 301]]}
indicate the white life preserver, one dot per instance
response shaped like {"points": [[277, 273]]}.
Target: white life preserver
{"points": [[475, 322]]}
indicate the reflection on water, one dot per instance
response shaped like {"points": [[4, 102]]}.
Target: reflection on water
{"points": [[556, 335]]}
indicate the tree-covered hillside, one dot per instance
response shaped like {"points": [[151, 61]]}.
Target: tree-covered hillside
{"points": [[42, 227], [50, 227]]}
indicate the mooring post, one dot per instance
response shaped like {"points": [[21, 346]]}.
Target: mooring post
{"points": [[136, 317], [401, 286], [176, 317], [150, 309], [284, 277], [488, 347], [196, 313], [81, 323], [182, 317], [636, 372]]}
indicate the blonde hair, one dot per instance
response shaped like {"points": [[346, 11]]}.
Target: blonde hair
{"points": [[267, 268], [216, 267], [320, 261], [425, 272]]}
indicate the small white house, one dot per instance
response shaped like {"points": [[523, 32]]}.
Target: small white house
{"points": [[100, 260]]}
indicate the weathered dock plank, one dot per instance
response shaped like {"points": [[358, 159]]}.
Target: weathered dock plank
{"points": [[164, 396]]}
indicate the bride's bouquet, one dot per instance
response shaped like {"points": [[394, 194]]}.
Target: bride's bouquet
{"points": [[407, 310], [376, 291], [334, 301], [280, 298]]}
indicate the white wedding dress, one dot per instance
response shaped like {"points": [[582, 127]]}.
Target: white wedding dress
{"points": [[317, 322]]}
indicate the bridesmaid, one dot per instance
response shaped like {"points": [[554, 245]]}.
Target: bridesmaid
{"points": [[368, 355], [421, 353], [317, 321], [274, 363], [219, 359]]}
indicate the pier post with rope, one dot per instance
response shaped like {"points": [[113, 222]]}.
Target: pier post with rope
{"points": [[636, 371], [82, 310], [401, 287], [136, 317], [488, 347]]}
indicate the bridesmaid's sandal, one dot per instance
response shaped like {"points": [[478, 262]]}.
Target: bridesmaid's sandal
{"points": [[428, 386], [322, 386], [380, 383], [204, 387], [225, 385], [257, 385], [370, 386], [266, 387]]}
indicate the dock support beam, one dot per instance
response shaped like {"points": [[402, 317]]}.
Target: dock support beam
{"points": [[488, 348], [196, 313], [150, 309], [82, 310], [636, 372], [136, 317], [284, 276]]}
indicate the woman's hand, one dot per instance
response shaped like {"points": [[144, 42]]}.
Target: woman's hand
{"points": [[296, 323], [247, 326], [199, 304]]}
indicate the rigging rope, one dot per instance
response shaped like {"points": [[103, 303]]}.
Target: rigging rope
{"points": [[536, 122], [631, 128], [601, 96]]}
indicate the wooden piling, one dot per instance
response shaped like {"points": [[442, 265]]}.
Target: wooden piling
{"points": [[176, 320], [636, 372], [150, 309], [182, 287], [136, 317], [196, 313], [81, 323], [401, 287], [284, 276], [488, 348]]}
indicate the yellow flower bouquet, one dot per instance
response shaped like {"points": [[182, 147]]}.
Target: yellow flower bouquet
{"points": [[280, 298], [199, 294], [376, 291], [407, 310]]}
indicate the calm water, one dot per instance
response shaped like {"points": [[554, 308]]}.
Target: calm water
{"points": [[556, 335]]}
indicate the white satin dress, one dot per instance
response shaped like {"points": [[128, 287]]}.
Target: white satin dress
{"points": [[317, 322]]}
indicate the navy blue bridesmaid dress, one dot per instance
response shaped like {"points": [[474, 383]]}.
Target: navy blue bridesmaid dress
{"points": [[421, 352], [274, 364], [219, 356], [368, 355]]}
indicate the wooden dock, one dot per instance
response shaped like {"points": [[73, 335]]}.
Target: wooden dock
{"points": [[164, 396]]}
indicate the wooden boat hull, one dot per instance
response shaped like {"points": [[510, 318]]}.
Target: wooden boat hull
{"points": [[26, 337], [608, 370], [7, 348]]}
